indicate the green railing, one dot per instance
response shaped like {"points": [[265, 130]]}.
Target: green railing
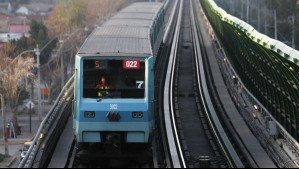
{"points": [[267, 67]]}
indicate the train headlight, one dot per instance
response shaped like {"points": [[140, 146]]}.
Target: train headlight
{"points": [[136, 115], [89, 114]]}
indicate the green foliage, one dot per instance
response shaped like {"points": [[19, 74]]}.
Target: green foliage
{"points": [[39, 34], [46, 53], [1, 157], [21, 45], [23, 95]]}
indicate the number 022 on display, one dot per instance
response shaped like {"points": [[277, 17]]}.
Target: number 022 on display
{"points": [[131, 64]]}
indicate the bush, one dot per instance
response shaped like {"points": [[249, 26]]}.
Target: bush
{"points": [[1, 157]]}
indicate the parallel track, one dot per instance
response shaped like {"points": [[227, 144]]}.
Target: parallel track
{"points": [[196, 137], [186, 109]]}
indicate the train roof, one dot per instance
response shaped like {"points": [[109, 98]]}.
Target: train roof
{"points": [[129, 22], [134, 40], [144, 16], [128, 32], [141, 9]]}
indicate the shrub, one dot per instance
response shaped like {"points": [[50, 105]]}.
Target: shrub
{"points": [[1, 157]]}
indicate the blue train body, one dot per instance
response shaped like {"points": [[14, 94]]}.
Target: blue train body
{"points": [[114, 84]]}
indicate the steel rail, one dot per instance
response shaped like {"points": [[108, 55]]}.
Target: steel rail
{"points": [[177, 157]]}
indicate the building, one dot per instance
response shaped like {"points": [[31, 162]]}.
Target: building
{"points": [[19, 25], [6, 7], [35, 9], [5, 15]]}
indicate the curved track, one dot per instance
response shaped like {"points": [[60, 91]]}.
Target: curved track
{"points": [[186, 110], [197, 141]]}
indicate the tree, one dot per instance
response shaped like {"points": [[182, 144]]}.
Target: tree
{"points": [[39, 35], [99, 11], [21, 44], [38, 31], [14, 74], [67, 16]]}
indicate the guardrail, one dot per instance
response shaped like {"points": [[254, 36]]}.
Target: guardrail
{"points": [[50, 129], [275, 55]]}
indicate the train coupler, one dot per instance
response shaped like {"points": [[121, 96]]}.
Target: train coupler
{"points": [[113, 143]]}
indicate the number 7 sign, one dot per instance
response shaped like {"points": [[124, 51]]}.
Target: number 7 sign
{"points": [[140, 84]]}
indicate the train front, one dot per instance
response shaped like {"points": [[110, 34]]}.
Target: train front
{"points": [[114, 99]]}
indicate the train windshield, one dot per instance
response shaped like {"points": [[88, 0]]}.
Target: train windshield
{"points": [[114, 79]]}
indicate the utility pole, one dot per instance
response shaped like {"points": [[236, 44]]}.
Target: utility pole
{"points": [[265, 24], [248, 12], [4, 126], [275, 24], [259, 16], [242, 10], [37, 52], [294, 31], [62, 64]]}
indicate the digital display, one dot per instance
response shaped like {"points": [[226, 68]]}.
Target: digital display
{"points": [[131, 64], [100, 64]]}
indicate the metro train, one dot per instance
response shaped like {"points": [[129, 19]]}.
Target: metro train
{"points": [[114, 77]]}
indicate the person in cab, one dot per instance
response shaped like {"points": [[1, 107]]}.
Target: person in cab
{"points": [[102, 87]]}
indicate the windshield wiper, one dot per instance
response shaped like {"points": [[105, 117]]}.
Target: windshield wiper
{"points": [[103, 97], [99, 99]]}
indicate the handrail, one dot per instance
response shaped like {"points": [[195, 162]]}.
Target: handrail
{"points": [[28, 160]]}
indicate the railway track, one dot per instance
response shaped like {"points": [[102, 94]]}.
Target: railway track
{"points": [[199, 145], [194, 134]]}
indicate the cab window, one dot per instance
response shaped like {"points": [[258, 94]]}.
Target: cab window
{"points": [[114, 79]]}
